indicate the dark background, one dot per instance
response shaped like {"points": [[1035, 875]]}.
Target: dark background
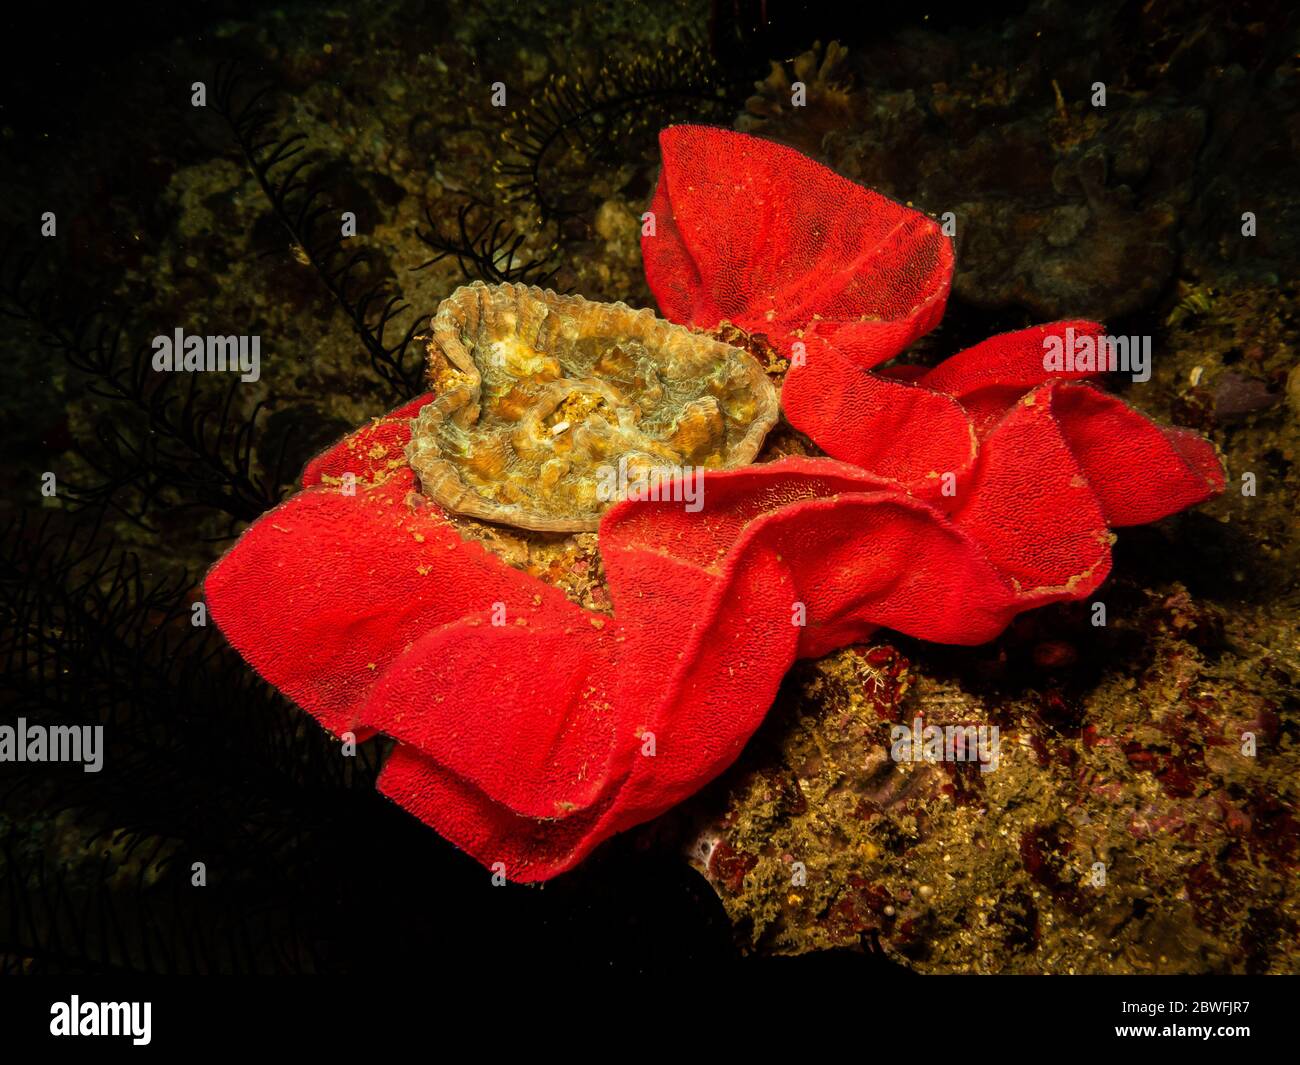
{"points": [[309, 869]]}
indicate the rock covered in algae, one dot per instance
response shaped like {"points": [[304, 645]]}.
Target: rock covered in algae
{"points": [[551, 407], [1144, 823]]}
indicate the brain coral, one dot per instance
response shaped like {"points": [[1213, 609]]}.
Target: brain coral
{"points": [[540, 394]]}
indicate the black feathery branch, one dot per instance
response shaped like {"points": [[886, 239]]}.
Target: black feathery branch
{"points": [[598, 119], [289, 178], [489, 252], [175, 443], [202, 761]]}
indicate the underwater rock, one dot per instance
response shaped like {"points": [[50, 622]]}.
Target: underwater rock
{"points": [[161, 219], [824, 105], [1138, 833], [1065, 200], [1237, 395], [1093, 226]]}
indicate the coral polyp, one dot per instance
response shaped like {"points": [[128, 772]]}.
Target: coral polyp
{"points": [[548, 404]]}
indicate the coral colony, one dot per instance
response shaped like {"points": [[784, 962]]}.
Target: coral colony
{"points": [[943, 503], [550, 407]]}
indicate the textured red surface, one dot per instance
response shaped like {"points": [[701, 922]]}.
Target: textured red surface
{"points": [[757, 234], [841, 279], [523, 743], [529, 742]]}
